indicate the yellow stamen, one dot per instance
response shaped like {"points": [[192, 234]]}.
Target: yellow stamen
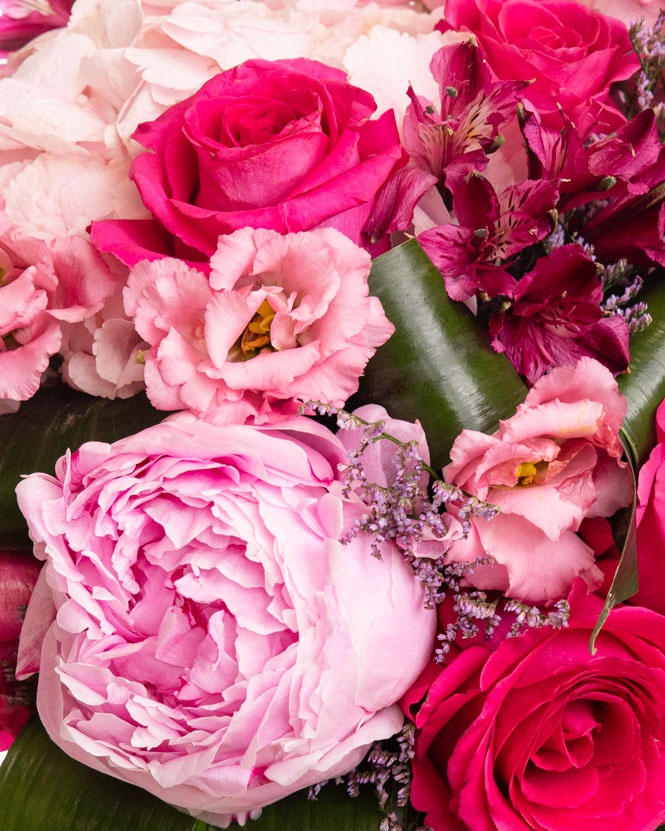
{"points": [[257, 332], [526, 473]]}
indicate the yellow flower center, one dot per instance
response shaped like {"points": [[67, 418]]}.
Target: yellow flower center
{"points": [[257, 331], [526, 473]]}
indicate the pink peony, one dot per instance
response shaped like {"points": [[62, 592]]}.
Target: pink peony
{"points": [[571, 54], [42, 286], [214, 642], [284, 145], [533, 733], [556, 461], [281, 319]]}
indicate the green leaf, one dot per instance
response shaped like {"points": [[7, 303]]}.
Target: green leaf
{"points": [[644, 385], [35, 437], [625, 582], [42, 789], [439, 366]]}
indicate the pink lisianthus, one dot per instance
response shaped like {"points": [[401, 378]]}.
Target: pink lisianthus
{"points": [[556, 461], [214, 641], [535, 733], [556, 318], [571, 54], [42, 286], [281, 319]]}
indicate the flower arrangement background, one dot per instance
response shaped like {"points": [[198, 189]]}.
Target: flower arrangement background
{"points": [[332, 361]]}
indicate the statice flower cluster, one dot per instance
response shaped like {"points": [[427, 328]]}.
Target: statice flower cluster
{"points": [[649, 45]]}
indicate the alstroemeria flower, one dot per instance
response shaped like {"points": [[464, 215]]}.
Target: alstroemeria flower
{"points": [[491, 227], [555, 462], [459, 136], [556, 318]]}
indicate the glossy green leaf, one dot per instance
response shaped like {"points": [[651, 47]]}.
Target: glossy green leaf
{"points": [[42, 789], [439, 366], [35, 437], [625, 581], [644, 385]]}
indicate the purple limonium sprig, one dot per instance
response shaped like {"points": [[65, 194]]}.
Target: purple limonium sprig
{"points": [[649, 45]]}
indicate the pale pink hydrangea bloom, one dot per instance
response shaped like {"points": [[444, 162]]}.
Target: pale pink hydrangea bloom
{"points": [[281, 319], [214, 641], [555, 462]]}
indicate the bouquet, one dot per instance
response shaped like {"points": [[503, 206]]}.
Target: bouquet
{"points": [[332, 380]]}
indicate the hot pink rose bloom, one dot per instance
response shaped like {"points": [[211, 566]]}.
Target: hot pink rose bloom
{"points": [[534, 734], [286, 145], [22, 20], [556, 461], [42, 285], [571, 54], [281, 319], [214, 643]]}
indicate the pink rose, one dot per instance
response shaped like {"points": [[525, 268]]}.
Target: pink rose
{"points": [[651, 523], [286, 145], [534, 733], [571, 54], [42, 286], [555, 462], [22, 20], [214, 643], [281, 318]]}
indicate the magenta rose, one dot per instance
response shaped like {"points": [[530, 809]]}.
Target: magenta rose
{"points": [[534, 734], [571, 54], [280, 319], [555, 462], [214, 642], [285, 145]]}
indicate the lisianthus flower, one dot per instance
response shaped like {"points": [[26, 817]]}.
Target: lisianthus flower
{"points": [[555, 462], [556, 318], [42, 286], [280, 319]]}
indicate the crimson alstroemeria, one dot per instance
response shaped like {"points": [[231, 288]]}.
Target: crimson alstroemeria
{"points": [[556, 318], [491, 228], [458, 136], [602, 169]]}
